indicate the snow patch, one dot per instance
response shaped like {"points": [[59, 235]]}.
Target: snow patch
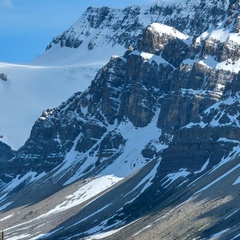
{"points": [[163, 29], [103, 235], [171, 177], [137, 138], [219, 234], [229, 65], [85, 192], [23, 236], [145, 183], [237, 181], [42, 236], [218, 179], [26, 179], [203, 167], [5, 206], [236, 237], [210, 62], [7, 217], [232, 214]]}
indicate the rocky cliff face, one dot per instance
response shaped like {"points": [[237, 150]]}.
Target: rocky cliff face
{"points": [[169, 106], [174, 73], [6, 153], [100, 26]]}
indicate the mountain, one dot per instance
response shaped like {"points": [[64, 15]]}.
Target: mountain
{"points": [[151, 148], [73, 58]]}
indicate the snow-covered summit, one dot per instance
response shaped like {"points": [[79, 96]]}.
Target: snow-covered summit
{"points": [[163, 29], [99, 30]]}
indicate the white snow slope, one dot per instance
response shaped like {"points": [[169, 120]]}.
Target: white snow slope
{"points": [[32, 88]]}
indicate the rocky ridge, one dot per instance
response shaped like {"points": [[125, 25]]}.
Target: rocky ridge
{"points": [[100, 28]]}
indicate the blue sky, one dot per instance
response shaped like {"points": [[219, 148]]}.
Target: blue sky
{"points": [[27, 26]]}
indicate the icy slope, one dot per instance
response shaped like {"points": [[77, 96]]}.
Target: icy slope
{"points": [[30, 89]]}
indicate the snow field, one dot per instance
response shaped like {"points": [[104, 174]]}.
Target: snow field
{"points": [[32, 89], [84, 193]]}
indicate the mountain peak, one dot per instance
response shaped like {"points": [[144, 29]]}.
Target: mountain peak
{"points": [[163, 29], [157, 128], [157, 36]]}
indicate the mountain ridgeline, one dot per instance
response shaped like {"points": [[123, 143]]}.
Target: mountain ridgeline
{"points": [[161, 121]]}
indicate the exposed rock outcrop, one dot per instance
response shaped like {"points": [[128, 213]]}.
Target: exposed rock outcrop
{"points": [[125, 26], [6, 153]]}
